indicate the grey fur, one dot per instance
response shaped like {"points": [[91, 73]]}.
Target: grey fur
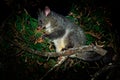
{"points": [[59, 25], [64, 33]]}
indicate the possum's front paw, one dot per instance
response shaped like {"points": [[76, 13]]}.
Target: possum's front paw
{"points": [[39, 40]]}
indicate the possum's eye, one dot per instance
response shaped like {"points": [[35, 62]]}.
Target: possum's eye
{"points": [[40, 21]]}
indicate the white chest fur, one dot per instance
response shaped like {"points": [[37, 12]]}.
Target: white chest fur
{"points": [[60, 42]]}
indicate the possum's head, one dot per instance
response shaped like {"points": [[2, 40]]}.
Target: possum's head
{"points": [[46, 20]]}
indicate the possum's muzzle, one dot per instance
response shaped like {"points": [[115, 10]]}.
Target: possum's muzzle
{"points": [[40, 28]]}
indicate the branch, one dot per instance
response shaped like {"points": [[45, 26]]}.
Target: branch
{"points": [[79, 52], [82, 52]]}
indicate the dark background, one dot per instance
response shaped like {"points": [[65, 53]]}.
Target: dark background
{"points": [[8, 7], [59, 6]]}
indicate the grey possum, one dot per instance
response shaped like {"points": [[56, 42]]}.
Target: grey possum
{"points": [[61, 31]]}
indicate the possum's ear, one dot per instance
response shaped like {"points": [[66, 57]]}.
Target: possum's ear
{"points": [[47, 11]]}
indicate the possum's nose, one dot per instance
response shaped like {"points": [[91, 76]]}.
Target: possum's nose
{"points": [[39, 28]]}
